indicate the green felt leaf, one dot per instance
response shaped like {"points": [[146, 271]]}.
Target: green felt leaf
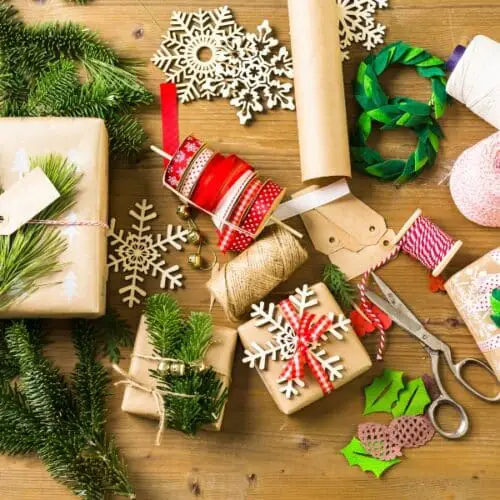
{"points": [[495, 301], [356, 455], [432, 61], [413, 400], [411, 54], [383, 392]]}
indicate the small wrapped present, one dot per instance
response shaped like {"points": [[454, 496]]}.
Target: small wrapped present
{"points": [[475, 291], [79, 288], [139, 397], [304, 348]]}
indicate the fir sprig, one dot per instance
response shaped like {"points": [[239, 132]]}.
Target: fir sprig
{"points": [[186, 340], [60, 419], [343, 291], [33, 251], [40, 75]]}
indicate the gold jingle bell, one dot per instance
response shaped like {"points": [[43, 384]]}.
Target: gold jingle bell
{"points": [[174, 368], [194, 237], [195, 260], [183, 212]]}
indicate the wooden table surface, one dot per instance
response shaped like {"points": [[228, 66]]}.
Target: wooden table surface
{"points": [[261, 453]]}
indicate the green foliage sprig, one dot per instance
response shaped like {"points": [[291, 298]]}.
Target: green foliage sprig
{"points": [[33, 251], [185, 340], [398, 112], [60, 419], [343, 291], [40, 75]]}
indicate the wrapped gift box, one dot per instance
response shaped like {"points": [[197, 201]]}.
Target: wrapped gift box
{"points": [[79, 290], [219, 356], [470, 290], [354, 360]]}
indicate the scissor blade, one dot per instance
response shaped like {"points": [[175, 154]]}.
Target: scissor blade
{"points": [[394, 300], [397, 316]]}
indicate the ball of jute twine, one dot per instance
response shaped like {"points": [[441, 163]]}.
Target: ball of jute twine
{"points": [[253, 274]]}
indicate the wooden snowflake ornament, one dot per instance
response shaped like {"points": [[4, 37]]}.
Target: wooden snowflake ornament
{"points": [[297, 338], [139, 253]]}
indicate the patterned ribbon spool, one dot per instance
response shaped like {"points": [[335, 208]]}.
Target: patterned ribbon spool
{"points": [[226, 188], [309, 330], [423, 240]]}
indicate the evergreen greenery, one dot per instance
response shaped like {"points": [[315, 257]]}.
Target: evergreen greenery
{"points": [[343, 291], [33, 251], [61, 419], [185, 340], [63, 69]]}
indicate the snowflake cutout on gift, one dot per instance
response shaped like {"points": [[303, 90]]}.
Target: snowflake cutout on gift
{"points": [[190, 49], [250, 73], [357, 24], [139, 253], [283, 344]]}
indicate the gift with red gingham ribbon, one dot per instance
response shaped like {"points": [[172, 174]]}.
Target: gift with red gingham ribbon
{"points": [[309, 330]]}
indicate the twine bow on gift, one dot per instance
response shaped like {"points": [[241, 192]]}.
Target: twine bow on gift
{"points": [[309, 329]]}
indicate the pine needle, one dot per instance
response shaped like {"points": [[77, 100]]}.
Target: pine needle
{"points": [[32, 253], [343, 291]]}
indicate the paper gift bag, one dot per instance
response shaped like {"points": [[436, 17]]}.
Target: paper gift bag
{"points": [[219, 356], [349, 357], [79, 290]]}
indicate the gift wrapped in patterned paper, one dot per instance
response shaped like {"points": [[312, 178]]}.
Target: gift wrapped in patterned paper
{"points": [[473, 291], [79, 289], [304, 348]]}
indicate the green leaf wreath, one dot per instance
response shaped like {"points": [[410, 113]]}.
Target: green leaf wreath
{"points": [[41, 70], [185, 340], [61, 419], [398, 112]]}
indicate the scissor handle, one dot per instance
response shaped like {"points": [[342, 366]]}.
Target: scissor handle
{"points": [[458, 369], [463, 426]]}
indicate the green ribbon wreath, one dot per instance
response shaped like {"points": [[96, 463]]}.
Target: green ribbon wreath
{"points": [[398, 112]]}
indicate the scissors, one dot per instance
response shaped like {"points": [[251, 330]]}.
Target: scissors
{"points": [[402, 316]]}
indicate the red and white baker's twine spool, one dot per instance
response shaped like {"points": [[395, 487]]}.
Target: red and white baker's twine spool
{"points": [[424, 241], [223, 187]]}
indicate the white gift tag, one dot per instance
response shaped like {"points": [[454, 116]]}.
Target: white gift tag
{"points": [[24, 200]]}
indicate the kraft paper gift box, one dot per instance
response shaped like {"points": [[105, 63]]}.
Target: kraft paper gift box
{"points": [[470, 290], [220, 356], [354, 359], [79, 290]]}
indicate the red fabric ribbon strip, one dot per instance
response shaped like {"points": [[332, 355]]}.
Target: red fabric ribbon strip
{"points": [[169, 119], [309, 330]]}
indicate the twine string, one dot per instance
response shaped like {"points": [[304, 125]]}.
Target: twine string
{"points": [[49, 222], [255, 272]]}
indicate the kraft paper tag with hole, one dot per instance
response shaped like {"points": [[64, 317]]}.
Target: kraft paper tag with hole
{"points": [[24, 200]]}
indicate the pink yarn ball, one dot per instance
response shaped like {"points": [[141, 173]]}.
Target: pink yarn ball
{"points": [[475, 182]]}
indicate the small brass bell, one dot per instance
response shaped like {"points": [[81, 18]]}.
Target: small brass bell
{"points": [[174, 368], [194, 237], [183, 212], [195, 260]]}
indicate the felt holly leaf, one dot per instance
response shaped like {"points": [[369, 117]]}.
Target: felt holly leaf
{"points": [[413, 400], [383, 392], [356, 454]]}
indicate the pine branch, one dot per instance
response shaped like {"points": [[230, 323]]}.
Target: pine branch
{"points": [[114, 333], [343, 291], [186, 340], [62, 422], [33, 251], [165, 324]]}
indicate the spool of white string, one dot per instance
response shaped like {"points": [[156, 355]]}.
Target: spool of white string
{"points": [[475, 81]]}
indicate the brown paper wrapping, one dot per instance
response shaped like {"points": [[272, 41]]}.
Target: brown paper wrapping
{"points": [[319, 89], [220, 357], [352, 353], [464, 290], [80, 288]]}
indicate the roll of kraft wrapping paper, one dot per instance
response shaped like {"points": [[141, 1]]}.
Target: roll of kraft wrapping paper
{"points": [[475, 78], [319, 89]]}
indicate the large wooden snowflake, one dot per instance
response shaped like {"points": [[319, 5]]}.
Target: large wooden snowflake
{"points": [[139, 253], [357, 24], [282, 345]]}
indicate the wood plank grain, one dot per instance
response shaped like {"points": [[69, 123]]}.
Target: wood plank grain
{"points": [[262, 454]]}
